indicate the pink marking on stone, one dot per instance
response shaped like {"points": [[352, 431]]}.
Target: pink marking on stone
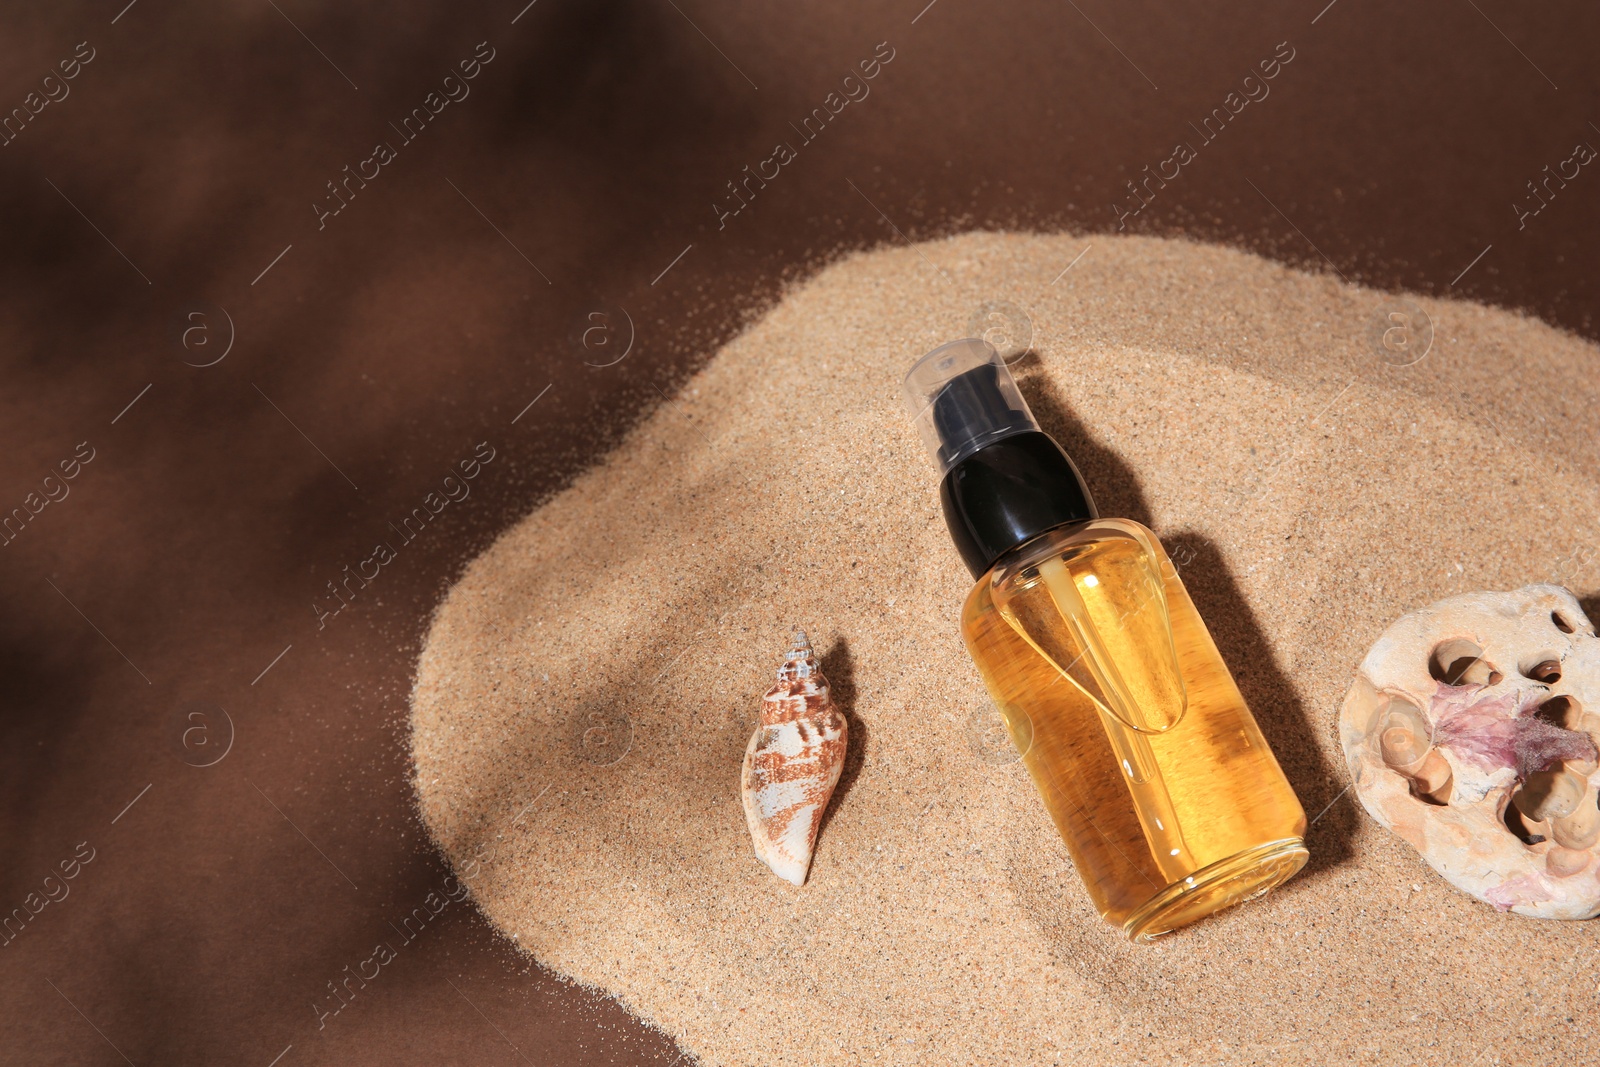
{"points": [[1523, 889], [1499, 733]]}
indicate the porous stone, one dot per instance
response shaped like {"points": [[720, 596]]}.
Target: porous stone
{"points": [[1469, 732]]}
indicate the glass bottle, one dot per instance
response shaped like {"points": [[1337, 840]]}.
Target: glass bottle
{"points": [[1139, 742]]}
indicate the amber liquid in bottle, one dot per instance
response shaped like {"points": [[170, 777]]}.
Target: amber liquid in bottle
{"points": [[1151, 765], [1153, 769]]}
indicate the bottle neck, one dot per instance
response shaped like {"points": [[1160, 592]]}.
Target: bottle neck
{"points": [[1009, 492]]}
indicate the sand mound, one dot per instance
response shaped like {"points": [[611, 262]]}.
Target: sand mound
{"points": [[588, 686]]}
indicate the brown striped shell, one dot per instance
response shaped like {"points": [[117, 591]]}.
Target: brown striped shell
{"points": [[792, 764]]}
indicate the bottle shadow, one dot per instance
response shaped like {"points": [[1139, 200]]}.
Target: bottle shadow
{"points": [[838, 667], [1272, 697], [1110, 480]]}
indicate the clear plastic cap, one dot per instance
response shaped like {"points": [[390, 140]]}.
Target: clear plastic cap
{"points": [[962, 397]]}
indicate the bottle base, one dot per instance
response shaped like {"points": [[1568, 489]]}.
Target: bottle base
{"points": [[1239, 878]]}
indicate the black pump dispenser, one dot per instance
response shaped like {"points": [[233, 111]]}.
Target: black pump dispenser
{"points": [[1005, 481]]}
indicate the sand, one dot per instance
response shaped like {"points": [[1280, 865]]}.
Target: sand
{"points": [[588, 685]]}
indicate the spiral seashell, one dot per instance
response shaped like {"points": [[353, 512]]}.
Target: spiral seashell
{"points": [[792, 764]]}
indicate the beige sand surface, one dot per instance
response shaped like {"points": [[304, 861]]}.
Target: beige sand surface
{"points": [[588, 686]]}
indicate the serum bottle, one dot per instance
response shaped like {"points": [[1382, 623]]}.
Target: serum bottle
{"points": [[1152, 767]]}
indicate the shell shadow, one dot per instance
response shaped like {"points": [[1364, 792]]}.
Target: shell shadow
{"points": [[838, 667]]}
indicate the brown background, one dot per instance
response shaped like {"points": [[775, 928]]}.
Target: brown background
{"points": [[189, 551]]}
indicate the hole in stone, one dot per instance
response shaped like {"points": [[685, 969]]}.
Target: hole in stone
{"points": [[1439, 797], [1402, 715], [1519, 827], [1544, 667], [1402, 733], [1551, 794], [1561, 622], [1560, 711], [1460, 662]]}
